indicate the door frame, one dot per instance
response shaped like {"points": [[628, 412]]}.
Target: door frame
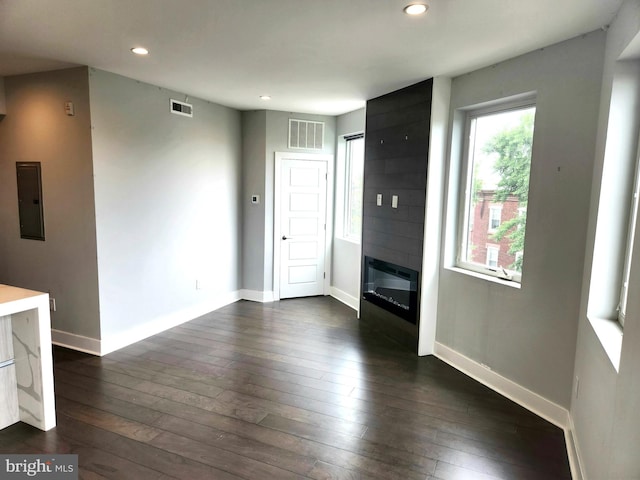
{"points": [[328, 241]]}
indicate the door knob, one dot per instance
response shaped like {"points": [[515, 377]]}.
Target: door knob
{"points": [[284, 237]]}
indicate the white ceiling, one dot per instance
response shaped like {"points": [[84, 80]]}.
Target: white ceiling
{"points": [[320, 56]]}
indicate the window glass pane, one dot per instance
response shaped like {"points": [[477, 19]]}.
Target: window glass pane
{"points": [[626, 271], [499, 161], [353, 197]]}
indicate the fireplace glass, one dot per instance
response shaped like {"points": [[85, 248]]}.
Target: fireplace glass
{"points": [[391, 287]]}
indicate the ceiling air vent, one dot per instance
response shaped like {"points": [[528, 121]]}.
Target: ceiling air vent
{"points": [[181, 108], [306, 134]]}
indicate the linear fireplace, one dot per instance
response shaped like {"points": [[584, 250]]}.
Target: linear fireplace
{"points": [[391, 287]]}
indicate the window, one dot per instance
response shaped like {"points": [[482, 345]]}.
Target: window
{"points": [[616, 213], [354, 171], [497, 166], [633, 216], [494, 217], [492, 256]]}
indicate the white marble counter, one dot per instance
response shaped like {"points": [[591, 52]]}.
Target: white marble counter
{"points": [[31, 336]]}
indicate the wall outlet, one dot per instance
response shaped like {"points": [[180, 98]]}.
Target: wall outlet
{"points": [[52, 304], [68, 109]]}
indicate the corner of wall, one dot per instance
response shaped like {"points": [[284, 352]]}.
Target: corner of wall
{"points": [[38, 128], [533, 402], [434, 211], [346, 298], [573, 450]]}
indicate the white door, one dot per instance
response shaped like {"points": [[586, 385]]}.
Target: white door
{"points": [[303, 217]]}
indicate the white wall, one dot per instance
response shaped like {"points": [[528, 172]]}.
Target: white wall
{"points": [[347, 255], [434, 215], [604, 407], [36, 129], [168, 215], [528, 335]]}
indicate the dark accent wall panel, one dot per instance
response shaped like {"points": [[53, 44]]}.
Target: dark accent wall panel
{"points": [[396, 154]]}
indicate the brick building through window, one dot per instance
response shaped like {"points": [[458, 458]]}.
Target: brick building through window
{"points": [[488, 215]]}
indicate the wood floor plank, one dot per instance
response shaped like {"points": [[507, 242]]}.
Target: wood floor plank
{"points": [[296, 389], [109, 421], [272, 455], [327, 471], [395, 464], [175, 466], [223, 459]]}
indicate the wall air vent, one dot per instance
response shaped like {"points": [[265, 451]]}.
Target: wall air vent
{"points": [[181, 108], [306, 134]]}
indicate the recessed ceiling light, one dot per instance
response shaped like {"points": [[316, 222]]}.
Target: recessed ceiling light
{"points": [[265, 97], [415, 9], [140, 51]]}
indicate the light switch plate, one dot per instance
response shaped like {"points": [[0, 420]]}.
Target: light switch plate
{"points": [[394, 201], [379, 200]]}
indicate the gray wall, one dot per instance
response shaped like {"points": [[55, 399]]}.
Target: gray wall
{"points": [[167, 193], [604, 406], [273, 135], [345, 269], [528, 335], [277, 140], [254, 132], [36, 129], [350, 123]]}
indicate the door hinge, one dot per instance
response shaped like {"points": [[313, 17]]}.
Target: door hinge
{"points": [[324, 275]]}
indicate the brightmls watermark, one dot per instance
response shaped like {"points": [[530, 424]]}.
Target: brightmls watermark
{"points": [[51, 467]]}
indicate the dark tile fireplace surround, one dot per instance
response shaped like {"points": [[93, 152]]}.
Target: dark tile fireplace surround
{"points": [[396, 155]]}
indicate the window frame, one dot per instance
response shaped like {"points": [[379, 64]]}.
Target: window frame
{"points": [[466, 182], [628, 253], [348, 175]]}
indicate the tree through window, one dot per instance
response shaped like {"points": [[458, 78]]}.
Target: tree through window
{"points": [[498, 166]]}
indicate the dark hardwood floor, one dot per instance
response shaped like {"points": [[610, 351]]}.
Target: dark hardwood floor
{"points": [[289, 390]]}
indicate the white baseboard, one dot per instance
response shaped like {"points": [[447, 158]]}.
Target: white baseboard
{"points": [[256, 296], [140, 332], [524, 397], [348, 300], [573, 452], [165, 322], [75, 342]]}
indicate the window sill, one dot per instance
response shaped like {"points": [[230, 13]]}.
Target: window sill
{"points": [[609, 332], [355, 241], [483, 276]]}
